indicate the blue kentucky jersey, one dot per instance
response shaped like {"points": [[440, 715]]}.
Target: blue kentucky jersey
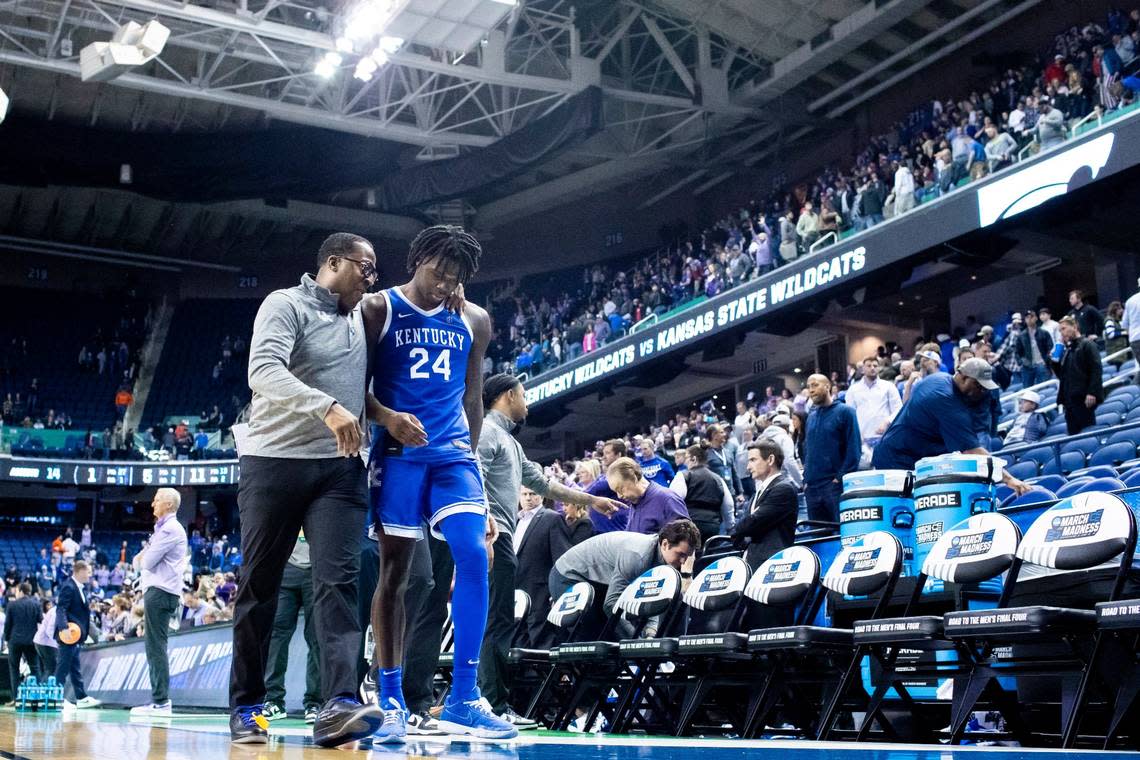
{"points": [[420, 367]]}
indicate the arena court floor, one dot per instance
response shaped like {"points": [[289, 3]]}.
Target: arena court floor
{"points": [[111, 735]]}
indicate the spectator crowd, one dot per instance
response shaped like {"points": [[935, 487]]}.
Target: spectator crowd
{"points": [[934, 149]]}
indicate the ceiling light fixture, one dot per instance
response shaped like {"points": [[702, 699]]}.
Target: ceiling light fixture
{"points": [[327, 66], [132, 45]]}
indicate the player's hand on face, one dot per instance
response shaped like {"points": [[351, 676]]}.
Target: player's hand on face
{"points": [[456, 301], [346, 428], [407, 429], [607, 507]]}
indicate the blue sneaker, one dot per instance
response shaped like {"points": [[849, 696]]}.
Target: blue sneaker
{"points": [[475, 718], [394, 729]]}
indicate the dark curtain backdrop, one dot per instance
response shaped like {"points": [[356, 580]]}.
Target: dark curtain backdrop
{"points": [[573, 121], [277, 163], [283, 162]]}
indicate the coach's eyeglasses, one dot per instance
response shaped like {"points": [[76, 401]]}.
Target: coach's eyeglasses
{"points": [[367, 268]]}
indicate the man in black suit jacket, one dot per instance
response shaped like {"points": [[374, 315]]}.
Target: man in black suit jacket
{"points": [[770, 520], [540, 539], [72, 608], [24, 616]]}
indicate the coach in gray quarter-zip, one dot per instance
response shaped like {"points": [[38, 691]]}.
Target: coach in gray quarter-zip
{"points": [[302, 467]]}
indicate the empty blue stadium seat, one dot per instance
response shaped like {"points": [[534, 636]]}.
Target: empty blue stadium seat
{"points": [[1114, 406], [1041, 455], [1027, 468], [1101, 484], [1071, 460], [1123, 393], [1072, 487], [1086, 445], [1049, 482], [1132, 436], [996, 444], [1114, 453], [1099, 471], [1057, 427], [1133, 413], [1034, 495], [1131, 478], [1108, 418]]}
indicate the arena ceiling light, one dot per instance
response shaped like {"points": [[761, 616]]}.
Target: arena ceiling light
{"points": [[3, 106], [132, 45], [374, 30]]}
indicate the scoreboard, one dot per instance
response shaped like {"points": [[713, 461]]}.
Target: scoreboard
{"points": [[84, 472]]}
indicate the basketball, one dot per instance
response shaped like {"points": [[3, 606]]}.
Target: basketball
{"points": [[70, 634]]}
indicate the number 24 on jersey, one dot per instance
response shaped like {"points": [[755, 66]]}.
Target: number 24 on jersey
{"points": [[441, 366]]}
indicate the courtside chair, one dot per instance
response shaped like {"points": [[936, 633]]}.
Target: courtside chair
{"points": [[567, 615], [784, 584], [977, 549], [714, 604], [809, 668], [1116, 662], [596, 667], [1075, 534]]}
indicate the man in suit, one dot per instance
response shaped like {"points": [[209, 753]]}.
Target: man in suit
{"points": [[540, 539], [72, 608], [770, 521], [24, 616]]}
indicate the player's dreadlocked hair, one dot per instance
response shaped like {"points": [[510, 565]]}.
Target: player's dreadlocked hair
{"points": [[449, 242]]}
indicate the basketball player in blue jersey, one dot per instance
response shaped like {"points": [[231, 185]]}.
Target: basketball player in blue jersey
{"points": [[427, 372]]}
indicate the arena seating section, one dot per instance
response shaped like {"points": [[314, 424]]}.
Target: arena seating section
{"points": [[21, 547], [54, 337], [183, 384]]}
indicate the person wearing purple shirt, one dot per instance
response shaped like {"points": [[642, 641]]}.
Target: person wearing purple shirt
{"points": [[162, 562], [651, 506]]}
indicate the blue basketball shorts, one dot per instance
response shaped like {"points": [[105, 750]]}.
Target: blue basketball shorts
{"points": [[405, 494]]}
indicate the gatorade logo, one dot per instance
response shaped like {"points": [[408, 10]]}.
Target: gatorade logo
{"points": [[938, 500], [859, 514]]}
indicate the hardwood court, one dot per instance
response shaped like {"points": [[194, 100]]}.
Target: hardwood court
{"points": [[111, 735]]}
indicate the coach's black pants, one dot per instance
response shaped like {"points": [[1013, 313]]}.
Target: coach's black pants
{"points": [[493, 668], [276, 498], [15, 652]]}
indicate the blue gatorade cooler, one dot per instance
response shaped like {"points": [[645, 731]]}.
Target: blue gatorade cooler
{"points": [[947, 490], [879, 500]]}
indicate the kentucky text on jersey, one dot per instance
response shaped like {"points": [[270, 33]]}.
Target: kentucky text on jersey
{"points": [[431, 336], [420, 367]]}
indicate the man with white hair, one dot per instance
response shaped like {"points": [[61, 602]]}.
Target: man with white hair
{"points": [[162, 563]]}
